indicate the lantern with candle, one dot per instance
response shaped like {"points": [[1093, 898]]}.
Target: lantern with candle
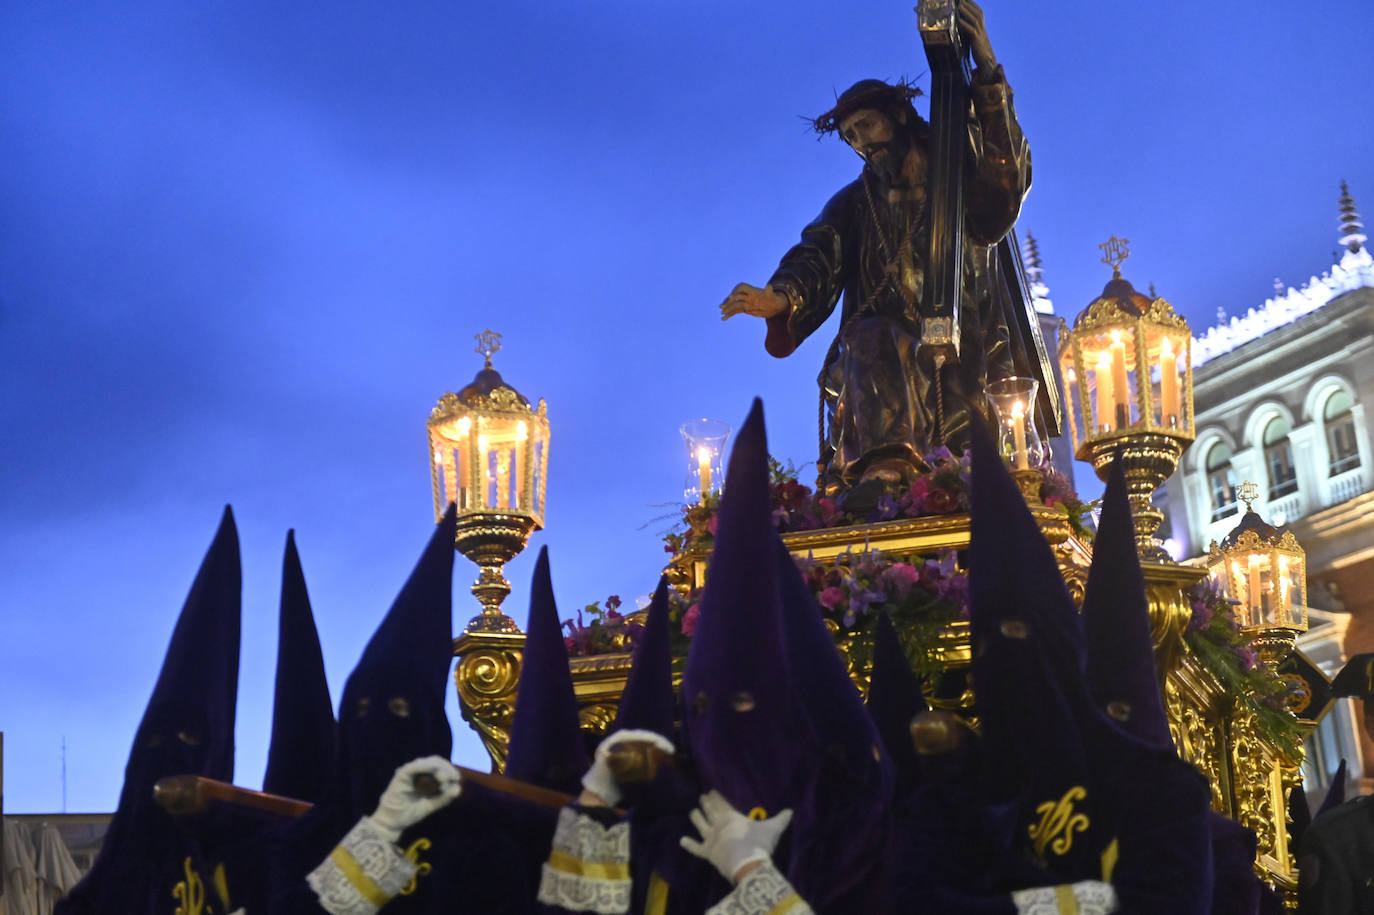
{"points": [[1264, 570], [705, 441], [1128, 384], [489, 453]]}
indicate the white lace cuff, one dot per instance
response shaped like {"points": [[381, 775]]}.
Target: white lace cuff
{"points": [[1091, 897], [763, 891], [589, 866], [362, 873]]}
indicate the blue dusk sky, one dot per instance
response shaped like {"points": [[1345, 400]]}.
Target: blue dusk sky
{"points": [[244, 248]]}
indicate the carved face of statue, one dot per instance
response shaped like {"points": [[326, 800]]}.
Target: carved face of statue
{"points": [[879, 141]]}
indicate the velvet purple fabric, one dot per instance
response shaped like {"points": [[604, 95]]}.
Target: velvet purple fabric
{"points": [[187, 729], [1116, 622], [894, 698], [648, 698], [1096, 802], [302, 747], [546, 743], [748, 736]]}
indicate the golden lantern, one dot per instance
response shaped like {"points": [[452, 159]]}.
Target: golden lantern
{"points": [[1264, 571], [1128, 380], [489, 453]]}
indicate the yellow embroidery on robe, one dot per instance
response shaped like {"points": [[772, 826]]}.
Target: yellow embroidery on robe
{"points": [[189, 893], [1058, 823], [1109, 856], [656, 901], [421, 867]]}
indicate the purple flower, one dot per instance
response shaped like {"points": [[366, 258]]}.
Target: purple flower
{"points": [[1249, 660], [887, 508], [859, 603], [689, 620], [939, 455]]}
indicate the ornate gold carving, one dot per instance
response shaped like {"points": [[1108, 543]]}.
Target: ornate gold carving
{"points": [[487, 676], [597, 719]]}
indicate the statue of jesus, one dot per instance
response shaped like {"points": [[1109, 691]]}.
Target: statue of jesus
{"points": [[883, 407]]}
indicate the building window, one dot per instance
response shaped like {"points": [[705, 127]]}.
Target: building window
{"points": [[1340, 433], [1221, 480], [1278, 458]]}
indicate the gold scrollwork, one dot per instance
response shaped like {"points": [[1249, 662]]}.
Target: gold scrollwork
{"points": [[1058, 823]]}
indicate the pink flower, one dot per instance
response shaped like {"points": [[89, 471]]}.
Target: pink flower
{"points": [[689, 620], [900, 577], [831, 598]]}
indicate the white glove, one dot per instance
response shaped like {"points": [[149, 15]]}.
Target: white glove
{"points": [[599, 780], [1093, 897], [729, 839], [402, 805]]}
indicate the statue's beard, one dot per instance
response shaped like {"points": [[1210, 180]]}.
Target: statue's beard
{"points": [[887, 160]]}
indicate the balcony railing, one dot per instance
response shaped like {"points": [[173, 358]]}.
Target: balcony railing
{"points": [[1345, 486]]}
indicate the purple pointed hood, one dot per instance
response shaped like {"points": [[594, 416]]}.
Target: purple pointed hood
{"points": [[1116, 622], [392, 709], [647, 700], [746, 732], [546, 743], [301, 753]]}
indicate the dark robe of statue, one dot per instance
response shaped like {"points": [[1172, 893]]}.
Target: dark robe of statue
{"points": [[882, 404]]}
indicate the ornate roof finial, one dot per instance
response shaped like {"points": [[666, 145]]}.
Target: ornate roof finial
{"points": [[1035, 276], [488, 344], [1114, 252], [1279, 288], [1351, 235], [1031, 251], [1153, 294], [1247, 492]]}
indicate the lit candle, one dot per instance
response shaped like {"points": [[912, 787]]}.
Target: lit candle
{"points": [[1121, 388], [1285, 598], [704, 469], [1170, 409], [483, 473], [1253, 596], [1018, 432], [1104, 392]]}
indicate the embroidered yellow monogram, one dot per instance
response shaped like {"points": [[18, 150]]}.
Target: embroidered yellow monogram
{"points": [[189, 893], [1058, 823]]}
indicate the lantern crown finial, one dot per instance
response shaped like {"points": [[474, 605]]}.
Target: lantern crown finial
{"points": [[488, 344], [1114, 253], [1247, 492]]}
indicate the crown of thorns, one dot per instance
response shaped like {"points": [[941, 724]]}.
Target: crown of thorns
{"points": [[866, 93]]}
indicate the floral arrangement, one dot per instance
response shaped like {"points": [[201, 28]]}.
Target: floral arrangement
{"points": [[941, 490], [1216, 640], [922, 595]]}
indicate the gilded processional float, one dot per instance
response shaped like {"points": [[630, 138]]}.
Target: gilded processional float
{"points": [[1239, 698], [936, 323]]}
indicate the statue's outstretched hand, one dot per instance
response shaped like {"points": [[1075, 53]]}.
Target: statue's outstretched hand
{"points": [[975, 35], [751, 300], [404, 803]]}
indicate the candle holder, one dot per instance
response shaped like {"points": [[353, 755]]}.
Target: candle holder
{"points": [[1018, 441], [1264, 571], [705, 440], [1127, 371], [489, 453]]}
